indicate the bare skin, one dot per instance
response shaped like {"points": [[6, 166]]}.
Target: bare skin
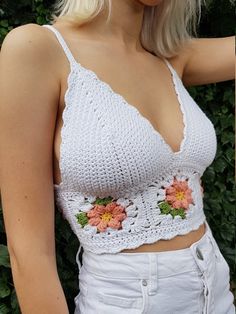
{"points": [[33, 74]]}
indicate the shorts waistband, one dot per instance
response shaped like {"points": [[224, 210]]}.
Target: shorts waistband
{"points": [[147, 264]]}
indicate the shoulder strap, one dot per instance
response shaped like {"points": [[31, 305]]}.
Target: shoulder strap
{"points": [[170, 66], [63, 44]]}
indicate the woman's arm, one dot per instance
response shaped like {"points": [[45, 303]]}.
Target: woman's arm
{"points": [[207, 60], [29, 89]]}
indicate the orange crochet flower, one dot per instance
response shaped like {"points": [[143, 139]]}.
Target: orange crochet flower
{"points": [[104, 216], [179, 195]]}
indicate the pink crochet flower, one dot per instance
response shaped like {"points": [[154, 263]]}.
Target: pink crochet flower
{"points": [[179, 195], [104, 216]]}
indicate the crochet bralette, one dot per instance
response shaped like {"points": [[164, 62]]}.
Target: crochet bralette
{"points": [[122, 184]]}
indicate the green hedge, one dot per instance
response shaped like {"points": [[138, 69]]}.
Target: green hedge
{"points": [[216, 100]]}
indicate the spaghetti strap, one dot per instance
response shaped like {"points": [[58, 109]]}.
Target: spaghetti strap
{"points": [[63, 44], [170, 66]]}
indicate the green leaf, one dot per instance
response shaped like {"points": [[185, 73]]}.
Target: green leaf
{"points": [[41, 20], [4, 309], [4, 256], [4, 23], [229, 154], [220, 165], [82, 219], [227, 138], [15, 303], [103, 201], [164, 207], [228, 96], [178, 212], [4, 289]]}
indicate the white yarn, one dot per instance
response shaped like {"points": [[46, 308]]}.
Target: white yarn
{"points": [[109, 149]]}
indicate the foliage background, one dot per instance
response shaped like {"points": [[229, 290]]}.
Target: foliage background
{"points": [[216, 100]]}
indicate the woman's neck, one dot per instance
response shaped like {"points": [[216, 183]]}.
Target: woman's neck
{"points": [[124, 26]]}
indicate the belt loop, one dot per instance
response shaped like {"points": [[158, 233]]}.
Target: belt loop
{"points": [[213, 241], [152, 273], [199, 257], [215, 246]]}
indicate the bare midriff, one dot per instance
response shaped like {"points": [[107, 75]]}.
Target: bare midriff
{"points": [[177, 243]]}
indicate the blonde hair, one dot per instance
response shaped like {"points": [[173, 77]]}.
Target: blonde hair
{"points": [[165, 27]]}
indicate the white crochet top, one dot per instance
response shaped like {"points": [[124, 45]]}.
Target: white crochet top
{"points": [[122, 184]]}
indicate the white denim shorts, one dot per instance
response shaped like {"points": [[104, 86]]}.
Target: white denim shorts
{"points": [[194, 280]]}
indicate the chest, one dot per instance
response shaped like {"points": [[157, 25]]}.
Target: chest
{"points": [[106, 144], [148, 86]]}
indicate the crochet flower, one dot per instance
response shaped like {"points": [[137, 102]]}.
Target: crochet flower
{"points": [[178, 195], [105, 213], [109, 215]]}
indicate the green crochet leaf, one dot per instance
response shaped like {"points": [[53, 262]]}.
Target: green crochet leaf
{"points": [[165, 208], [103, 201], [82, 219], [178, 211]]}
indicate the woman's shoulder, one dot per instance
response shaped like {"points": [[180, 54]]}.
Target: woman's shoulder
{"points": [[23, 35], [30, 42]]}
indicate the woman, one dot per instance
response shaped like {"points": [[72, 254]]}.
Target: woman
{"points": [[103, 119]]}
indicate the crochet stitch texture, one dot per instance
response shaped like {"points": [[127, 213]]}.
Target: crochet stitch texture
{"points": [[122, 184]]}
